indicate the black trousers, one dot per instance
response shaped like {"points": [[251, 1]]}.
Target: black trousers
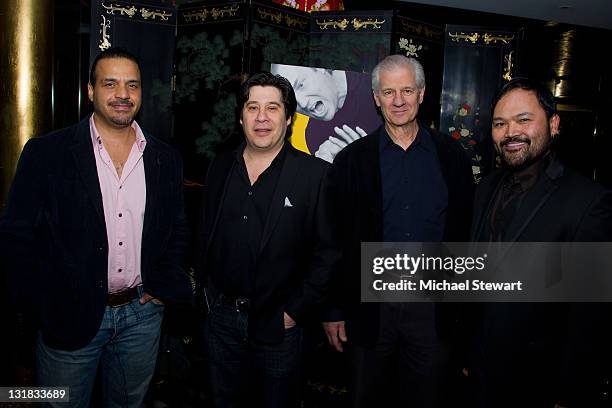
{"points": [[408, 366]]}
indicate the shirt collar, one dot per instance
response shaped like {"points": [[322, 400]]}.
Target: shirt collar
{"points": [[528, 176], [141, 141], [422, 139], [279, 157]]}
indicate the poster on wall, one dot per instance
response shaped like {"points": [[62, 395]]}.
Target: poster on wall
{"points": [[334, 108]]}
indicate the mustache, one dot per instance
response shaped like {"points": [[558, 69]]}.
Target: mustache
{"points": [[122, 102], [513, 139]]}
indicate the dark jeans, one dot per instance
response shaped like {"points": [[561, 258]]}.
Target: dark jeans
{"points": [[407, 367], [245, 373]]}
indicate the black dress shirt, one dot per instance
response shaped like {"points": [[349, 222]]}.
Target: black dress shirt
{"points": [[415, 195], [515, 186], [244, 211]]}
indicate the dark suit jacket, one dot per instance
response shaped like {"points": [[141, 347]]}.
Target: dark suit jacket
{"points": [[54, 240], [562, 206], [357, 188], [297, 252]]}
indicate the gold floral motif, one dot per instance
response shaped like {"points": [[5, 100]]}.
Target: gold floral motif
{"points": [[359, 24], [104, 41], [268, 15], [290, 21], [201, 15], [508, 66], [473, 38], [221, 13], [130, 12], [410, 48], [488, 38], [153, 14], [421, 30], [327, 389], [341, 24], [215, 13], [427, 32]]}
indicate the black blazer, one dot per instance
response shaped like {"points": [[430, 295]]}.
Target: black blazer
{"points": [[562, 206], [297, 252], [54, 242], [357, 188]]}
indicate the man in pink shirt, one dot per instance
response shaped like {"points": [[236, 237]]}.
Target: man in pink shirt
{"points": [[95, 239]]}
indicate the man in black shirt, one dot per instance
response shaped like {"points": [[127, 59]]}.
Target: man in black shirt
{"points": [[267, 252], [402, 183], [534, 354]]}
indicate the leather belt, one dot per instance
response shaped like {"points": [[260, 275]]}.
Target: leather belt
{"points": [[241, 304], [122, 298]]}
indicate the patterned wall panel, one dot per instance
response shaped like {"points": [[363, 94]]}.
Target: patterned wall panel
{"points": [[350, 40], [209, 55], [276, 34], [145, 28], [477, 61], [424, 42]]}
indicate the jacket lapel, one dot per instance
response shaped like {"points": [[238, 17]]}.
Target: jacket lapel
{"points": [[534, 200], [369, 178], [226, 169], [85, 163], [286, 182], [152, 163], [483, 216]]}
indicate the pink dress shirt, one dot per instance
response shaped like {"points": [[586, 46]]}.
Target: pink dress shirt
{"points": [[124, 202]]}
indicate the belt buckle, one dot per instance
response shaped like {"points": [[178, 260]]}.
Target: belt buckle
{"points": [[114, 305], [242, 304]]}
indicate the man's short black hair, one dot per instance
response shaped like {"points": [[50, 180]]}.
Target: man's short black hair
{"points": [[112, 52], [268, 79], [545, 97]]}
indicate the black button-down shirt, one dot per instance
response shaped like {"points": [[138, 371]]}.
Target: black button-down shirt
{"points": [[515, 186], [238, 235], [415, 196]]}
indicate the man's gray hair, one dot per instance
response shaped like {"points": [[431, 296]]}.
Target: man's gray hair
{"points": [[394, 62]]}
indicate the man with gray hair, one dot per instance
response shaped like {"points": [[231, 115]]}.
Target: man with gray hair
{"points": [[402, 183]]}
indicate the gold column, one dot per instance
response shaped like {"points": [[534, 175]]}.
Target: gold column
{"points": [[26, 48]]}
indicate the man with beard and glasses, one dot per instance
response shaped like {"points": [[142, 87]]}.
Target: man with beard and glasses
{"points": [[536, 354], [94, 239]]}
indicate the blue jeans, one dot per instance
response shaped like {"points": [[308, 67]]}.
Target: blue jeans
{"points": [[245, 373], [126, 344]]}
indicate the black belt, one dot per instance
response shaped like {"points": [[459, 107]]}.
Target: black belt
{"points": [[242, 304], [122, 298]]}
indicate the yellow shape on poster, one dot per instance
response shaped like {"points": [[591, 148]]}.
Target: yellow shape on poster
{"points": [[298, 135]]}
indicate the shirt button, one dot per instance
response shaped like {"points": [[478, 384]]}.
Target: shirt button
{"points": [[406, 207], [120, 270], [245, 218], [250, 193], [407, 234], [120, 243], [120, 215]]}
